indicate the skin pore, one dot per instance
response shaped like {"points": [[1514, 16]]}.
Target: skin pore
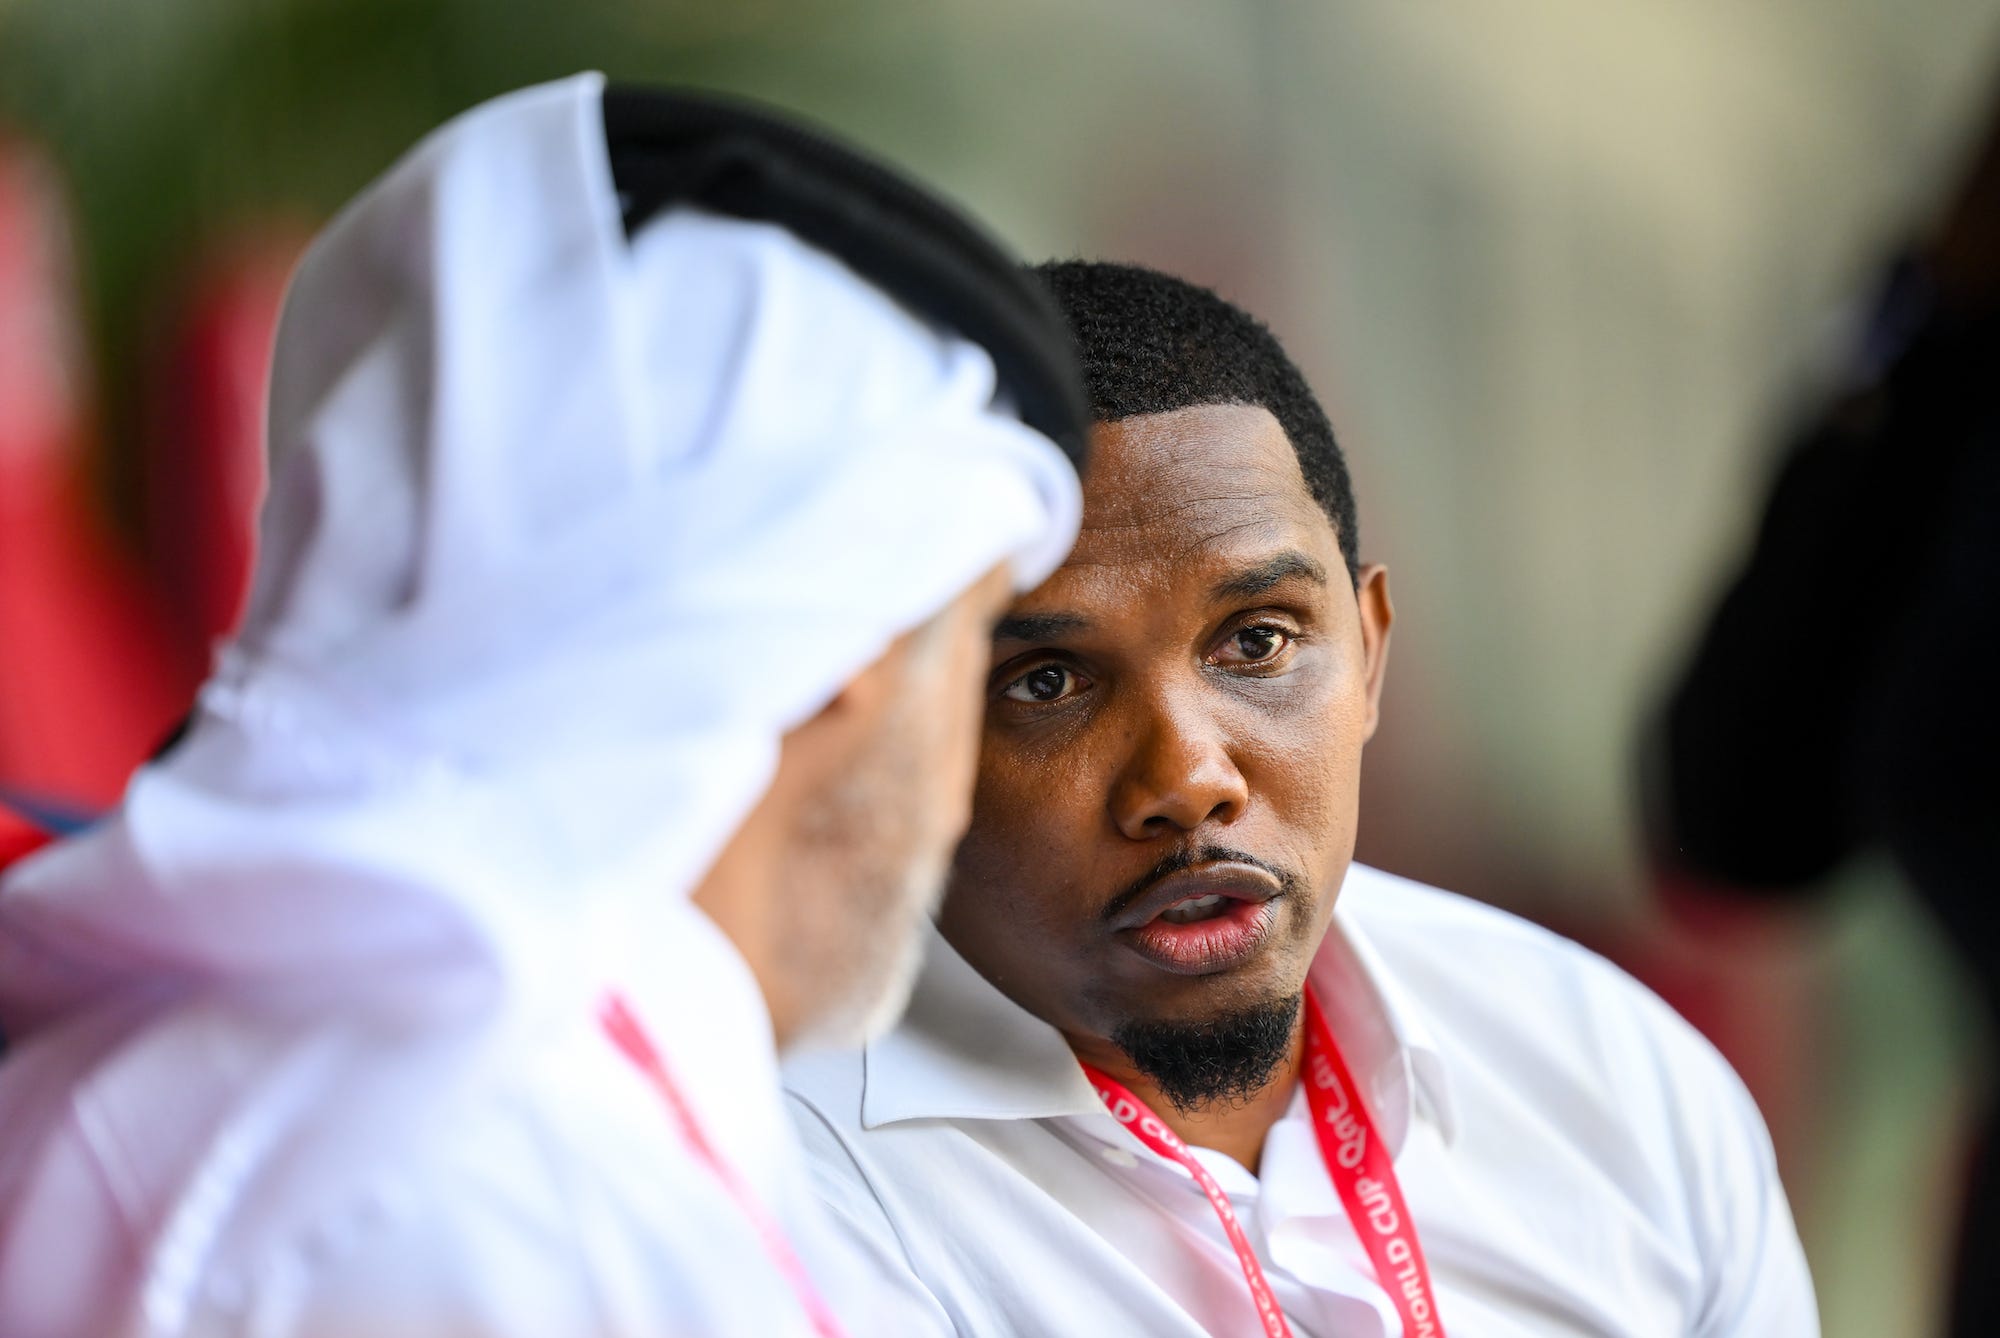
{"points": [[826, 885], [1190, 692]]}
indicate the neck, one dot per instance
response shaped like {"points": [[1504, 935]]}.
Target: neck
{"points": [[1236, 1128]]}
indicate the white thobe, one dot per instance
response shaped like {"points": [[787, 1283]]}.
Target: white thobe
{"points": [[1578, 1160], [230, 1165]]}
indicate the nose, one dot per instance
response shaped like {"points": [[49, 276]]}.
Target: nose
{"points": [[1178, 776]]}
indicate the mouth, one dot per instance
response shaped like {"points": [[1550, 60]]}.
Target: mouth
{"points": [[1201, 921]]}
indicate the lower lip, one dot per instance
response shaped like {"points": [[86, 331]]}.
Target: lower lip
{"points": [[1202, 947]]}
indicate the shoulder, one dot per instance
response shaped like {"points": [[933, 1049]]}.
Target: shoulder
{"points": [[1550, 1047], [454, 1181], [1481, 977], [1549, 1041], [1404, 916]]}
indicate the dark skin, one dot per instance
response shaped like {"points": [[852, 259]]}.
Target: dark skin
{"points": [[1200, 676]]}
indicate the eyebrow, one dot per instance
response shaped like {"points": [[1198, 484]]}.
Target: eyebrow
{"points": [[1038, 626], [1256, 580]]}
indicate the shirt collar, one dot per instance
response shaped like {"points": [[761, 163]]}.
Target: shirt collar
{"points": [[1374, 1016], [966, 1051]]}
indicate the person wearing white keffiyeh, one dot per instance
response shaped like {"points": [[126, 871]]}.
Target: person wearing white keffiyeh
{"points": [[618, 621]]}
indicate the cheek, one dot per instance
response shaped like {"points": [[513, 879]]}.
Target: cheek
{"points": [[1034, 820], [1045, 789], [1008, 911], [1306, 766]]}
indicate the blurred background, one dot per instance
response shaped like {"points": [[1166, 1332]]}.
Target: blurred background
{"points": [[1564, 272]]}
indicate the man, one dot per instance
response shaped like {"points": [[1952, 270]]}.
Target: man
{"points": [[1176, 1065], [590, 737]]}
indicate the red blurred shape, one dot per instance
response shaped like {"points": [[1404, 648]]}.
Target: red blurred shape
{"points": [[86, 684], [1748, 976]]}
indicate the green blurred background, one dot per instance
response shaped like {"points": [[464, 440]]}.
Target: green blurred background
{"points": [[1559, 268]]}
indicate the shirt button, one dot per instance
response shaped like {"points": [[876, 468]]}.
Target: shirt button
{"points": [[1120, 1158]]}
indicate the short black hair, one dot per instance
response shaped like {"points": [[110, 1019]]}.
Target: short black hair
{"points": [[1152, 343]]}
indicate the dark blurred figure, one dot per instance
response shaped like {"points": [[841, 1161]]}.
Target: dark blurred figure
{"points": [[1846, 693]]}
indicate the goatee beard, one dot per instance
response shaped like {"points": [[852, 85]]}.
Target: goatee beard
{"points": [[1224, 1059]]}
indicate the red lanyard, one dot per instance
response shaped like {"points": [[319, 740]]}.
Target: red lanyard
{"points": [[1356, 1161], [622, 1025], [1135, 1115]]}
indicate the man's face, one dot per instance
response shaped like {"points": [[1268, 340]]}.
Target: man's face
{"points": [[1172, 750], [880, 836]]}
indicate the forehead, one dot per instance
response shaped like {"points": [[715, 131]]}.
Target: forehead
{"points": [[1200, 485]]}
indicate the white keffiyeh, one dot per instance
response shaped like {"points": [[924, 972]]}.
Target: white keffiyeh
{"points": [[564, 534]]}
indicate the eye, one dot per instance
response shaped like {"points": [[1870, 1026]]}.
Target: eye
{"points": [[1044, 684], [1258, 643]]}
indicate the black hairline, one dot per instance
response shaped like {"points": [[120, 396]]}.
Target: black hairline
{"points": [[1151, 342]]}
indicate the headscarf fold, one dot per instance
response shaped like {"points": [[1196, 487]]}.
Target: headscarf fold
{"points": [[564, 534]]}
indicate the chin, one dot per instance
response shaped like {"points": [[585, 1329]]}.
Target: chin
{"points": [[1224, 1055], [1228, 993]]}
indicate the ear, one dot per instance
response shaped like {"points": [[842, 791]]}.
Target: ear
{"points": [[1371, 595]]}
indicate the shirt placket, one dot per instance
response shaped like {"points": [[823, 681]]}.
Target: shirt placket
{"points": [[1300, 1224]]}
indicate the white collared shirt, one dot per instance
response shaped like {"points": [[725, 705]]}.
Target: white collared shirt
{"points": [[1577, 1158]]}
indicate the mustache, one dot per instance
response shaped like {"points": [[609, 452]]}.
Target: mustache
{"points": [[1186, 858]]}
